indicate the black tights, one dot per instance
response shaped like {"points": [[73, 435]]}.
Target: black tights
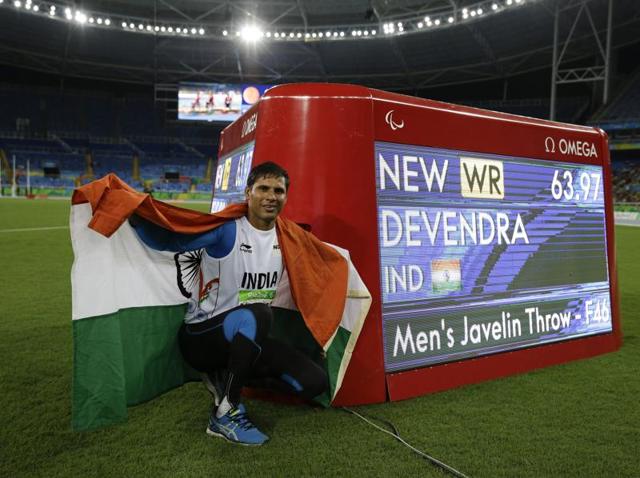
{"points": [[238, 341]]}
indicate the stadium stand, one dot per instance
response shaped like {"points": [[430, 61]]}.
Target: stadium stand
{"points": [[71, 138]]}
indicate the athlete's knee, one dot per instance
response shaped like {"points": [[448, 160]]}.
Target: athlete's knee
{"points": [[313, 382], [252, 321]]}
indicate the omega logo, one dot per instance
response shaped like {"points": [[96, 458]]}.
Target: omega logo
{"points": [[249, 125], [570, 147]]}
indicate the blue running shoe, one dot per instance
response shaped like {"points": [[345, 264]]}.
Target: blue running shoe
{"points": [[236, 427], [214, 383]]}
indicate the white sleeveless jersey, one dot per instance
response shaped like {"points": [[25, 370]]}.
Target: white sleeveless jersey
{"points": [[249, 273]]}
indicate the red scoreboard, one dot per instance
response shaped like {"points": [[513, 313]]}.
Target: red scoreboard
{"points": [[485, 239]]}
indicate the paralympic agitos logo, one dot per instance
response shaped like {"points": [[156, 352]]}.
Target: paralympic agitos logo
{"points": [[394, 125]]}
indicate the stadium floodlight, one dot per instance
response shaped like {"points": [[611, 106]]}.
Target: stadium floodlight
{"points": [[314, 35], [124, 25], [494, 7], [298, 35], [437, 22], [99, 21], [92, 20], [27, 6], [320, 34], [156, 28], [291, 35], [163, 29], [107, 22], [277, 35], [149, 28], [194, 31], [201, 31], [140, 26], [17, 4], [251, 33], [68, 13], [341, 34], [81, 17], [450, 19], [225, 33], [509, 2], [36, 8], [480, 11], [373, 32], [473, 13], [131, 25]]}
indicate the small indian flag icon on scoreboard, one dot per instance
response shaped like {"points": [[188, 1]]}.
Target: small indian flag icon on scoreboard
{"points": [[445, 275]]}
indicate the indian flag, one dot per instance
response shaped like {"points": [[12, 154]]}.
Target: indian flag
{"points": [[445, 275], [127, 309]]}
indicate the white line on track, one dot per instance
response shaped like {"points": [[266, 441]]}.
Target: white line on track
{"points": [[29, 229]]}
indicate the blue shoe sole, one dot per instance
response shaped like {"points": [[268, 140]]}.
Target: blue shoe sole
{"points": [[212, 433]]}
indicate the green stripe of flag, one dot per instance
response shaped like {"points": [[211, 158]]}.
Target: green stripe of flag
{"points": [[122, 359]]}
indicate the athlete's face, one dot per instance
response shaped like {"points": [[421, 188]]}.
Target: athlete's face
{"points": [[265, 199]]}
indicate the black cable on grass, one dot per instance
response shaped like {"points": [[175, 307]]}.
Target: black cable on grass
{"points": [[395, 434]]}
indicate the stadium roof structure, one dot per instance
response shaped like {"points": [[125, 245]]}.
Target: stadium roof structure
{"points": [[388, 44]]}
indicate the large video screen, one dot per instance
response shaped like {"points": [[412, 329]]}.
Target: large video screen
{"points": [[481, 254], [231, 177], [217, 101]]}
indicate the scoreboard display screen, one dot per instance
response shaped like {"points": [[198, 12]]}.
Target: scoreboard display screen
{"points": [[482, 254], [231, 177]]}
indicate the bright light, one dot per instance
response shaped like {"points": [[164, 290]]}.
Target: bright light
{"points": [[291, 35], [68, 14], [353, 33], [225, 33], [320, 34], [194, 31], [81, 17], [373, 32], [509, 2], [437, 22], [450, 19], [341, 34], [178, 30], [473, 13], [107, 22], [250, 33], [156, 28], [366, 33], [140, 26], [124, 24], [277, 35], [149, 28], [36, 8], [17, 4], [92, 20], [99, 21], [163, 29], [314, 35], [494, 7], [201, 31], [480, 11], [298, 35], [427, 19], [307, 35]]}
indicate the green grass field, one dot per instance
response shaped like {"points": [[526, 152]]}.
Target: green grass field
{"points": [[577, 419]]}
